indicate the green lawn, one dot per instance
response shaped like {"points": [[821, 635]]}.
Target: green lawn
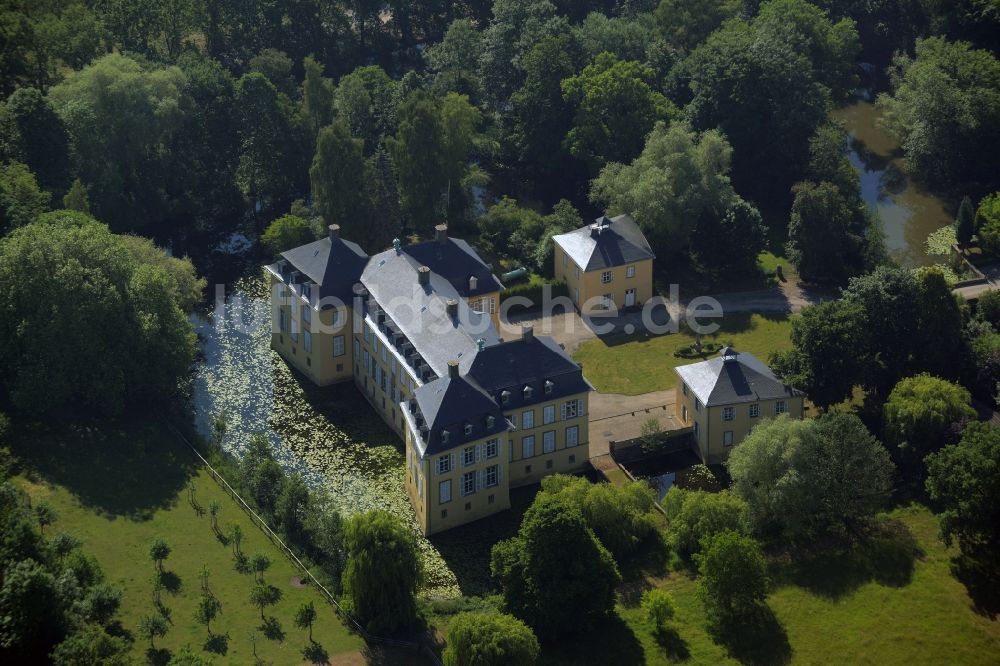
{"points": [[635, 364], [118, 491], [873, 608]]}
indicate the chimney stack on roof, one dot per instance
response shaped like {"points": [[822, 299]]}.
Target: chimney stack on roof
{"points": [[473, 282], [453, 369], [424, 275], [334, 230], [441, 233], [451, 305], [528, 333]]}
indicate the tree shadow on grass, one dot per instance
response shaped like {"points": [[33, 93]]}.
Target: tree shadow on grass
{"points": [[271, 628], [613, 643], [886, 555], [755, 638], [217, 644], [157, 656], [170, 581], [981, 581], [124, 468], [315, 653], [674, 647]]}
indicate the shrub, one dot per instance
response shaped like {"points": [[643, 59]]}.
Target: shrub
{"points": [[659, 607], [732, 576], [536, 291], [490, 639], [696, 516]]}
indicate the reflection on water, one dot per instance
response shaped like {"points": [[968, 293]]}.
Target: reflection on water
{"points": [[329, 435], [908, 213]]}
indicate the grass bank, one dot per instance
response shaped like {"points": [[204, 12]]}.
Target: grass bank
{"points": [[116, 490], [640, 363]]}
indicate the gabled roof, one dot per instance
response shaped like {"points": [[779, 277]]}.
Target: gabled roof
{"points": [[606, 243], [420, 311], [455, 261], [334, 265], [450, 404], [743, 378], [527, 362]]}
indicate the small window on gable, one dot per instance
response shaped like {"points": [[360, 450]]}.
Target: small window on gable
{"points": [[468, 428], [548, 386], [527, 392], [490, 421], [505, 397]]}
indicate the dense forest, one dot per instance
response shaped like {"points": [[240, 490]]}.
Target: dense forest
{"points": [[190, 120]]}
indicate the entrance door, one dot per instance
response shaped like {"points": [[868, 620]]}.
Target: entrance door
{"points": [[629, 298]]}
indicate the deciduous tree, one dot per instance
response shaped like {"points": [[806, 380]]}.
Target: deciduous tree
{"points": [[490, 639]]}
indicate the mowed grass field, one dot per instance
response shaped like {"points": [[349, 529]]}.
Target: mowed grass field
{"points": [[118, 490], [640, 363], [874, 607]]}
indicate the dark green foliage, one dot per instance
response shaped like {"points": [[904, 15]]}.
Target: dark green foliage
{"points": [[687, 23], [277, 67], [615, 105], [305, 616], [965, 221], [988, 308], [806, 479], [417, 151], [42, 141], [696, 516], [92, 645], [733, 577], [490, 639], [553, 593], [383, 571], [821, 241], [920, 415], [382, 201], [131, 341], [76, 198], [988, 223], [964, 479], [337, 176], [21, 199], [824, 360], [945, 109]]}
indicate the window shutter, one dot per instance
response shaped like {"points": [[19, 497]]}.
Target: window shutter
{"points": [[562, 415], [579, 407], [451, 461], [499, 473]]}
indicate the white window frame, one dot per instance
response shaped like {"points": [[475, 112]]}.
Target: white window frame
{"points": [[338, 318], [492, 448], [339, 346], [467, 487], [527, 447], [607, 277], [469, 456], [444, 491], [780, 407], [295, 329], [755, 410], [528, 419], [491, 476], [307, 341], [572, 436], [630, 271], [548, 414], [548, 441], [727, 438], [728, 413]]}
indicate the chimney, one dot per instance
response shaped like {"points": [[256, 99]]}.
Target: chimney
{"points": [[334, 230], [473, 282], [424, 275], [441, 233], [451, 305], [453, 369], [527, 333], [481, 344]]}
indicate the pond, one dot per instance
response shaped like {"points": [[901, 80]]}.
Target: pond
{"points": [[329, 435], [909, 214]]}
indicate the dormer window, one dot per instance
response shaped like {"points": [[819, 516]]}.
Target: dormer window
{"points": [[548, 386], [468, 429], [527, 392], [306, 290], [505, 397], [444, 436], [490, 421]]}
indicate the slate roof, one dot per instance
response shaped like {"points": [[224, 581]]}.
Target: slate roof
{"points": [[420, 312], [619, 242], [333, 265], [455, 261], [521, 363], [742, 379], [451, 404]]}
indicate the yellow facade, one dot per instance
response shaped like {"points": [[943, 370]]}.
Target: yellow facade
{"points": [[457, 486], [547, 447], [711, 424], [489, 303], [316, 342], [382, 376], [628, 285]]}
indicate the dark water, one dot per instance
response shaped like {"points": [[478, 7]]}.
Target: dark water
{"points": [[908, 213]]}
